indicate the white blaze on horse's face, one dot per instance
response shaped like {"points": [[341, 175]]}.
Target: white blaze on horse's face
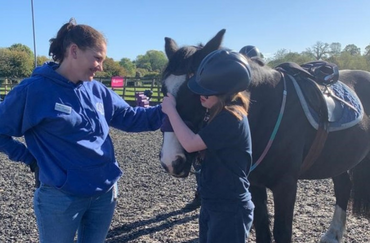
{"points": [[173, 83], [172, 150]]}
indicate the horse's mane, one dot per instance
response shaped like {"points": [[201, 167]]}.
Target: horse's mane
{"points": [[262, 73]]}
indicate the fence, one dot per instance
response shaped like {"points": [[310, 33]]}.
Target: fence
{"points": [[129, 91], [5, 87]]}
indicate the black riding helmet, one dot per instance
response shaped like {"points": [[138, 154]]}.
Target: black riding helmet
{"points": [[221, 72], [250, 51]]}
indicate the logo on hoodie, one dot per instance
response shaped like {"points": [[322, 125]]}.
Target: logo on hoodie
{"points": [[100, 108]]}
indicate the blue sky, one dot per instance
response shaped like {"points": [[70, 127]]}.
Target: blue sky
{"points": [[134, 27]]}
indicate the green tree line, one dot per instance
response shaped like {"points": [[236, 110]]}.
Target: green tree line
{"points": [[350, 57], [17, 61]]}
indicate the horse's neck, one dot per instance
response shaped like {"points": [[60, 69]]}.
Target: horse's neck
{"points": [[265, 75]]}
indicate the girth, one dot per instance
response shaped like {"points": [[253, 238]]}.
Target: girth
{"points": [[322, 102]]}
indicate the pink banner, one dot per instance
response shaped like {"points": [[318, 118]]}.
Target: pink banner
{"points": [[117, 82]]}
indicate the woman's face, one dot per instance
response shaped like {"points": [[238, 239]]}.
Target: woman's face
{"points": [[208, 101], [90, 61]]}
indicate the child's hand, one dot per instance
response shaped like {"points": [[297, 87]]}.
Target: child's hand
{"points": [[168, 104]]}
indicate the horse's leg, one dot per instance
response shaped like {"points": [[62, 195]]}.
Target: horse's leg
{"points": [[342, 190], [284, 199], [261, 220]]}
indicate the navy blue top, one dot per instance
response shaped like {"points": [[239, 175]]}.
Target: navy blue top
{"points": [[224, 171]]}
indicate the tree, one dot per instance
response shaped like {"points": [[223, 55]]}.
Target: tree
{"points": [[5, 56], [42, 59], [367, 56], [352, 49], [335, 49], [280, 54], [348, 61], [111, 68], [21, 48], [285, 56], [367, 51], [21, 61], [15, 63], [319, 50], [21, 64], [129, 66], [153, 61]]}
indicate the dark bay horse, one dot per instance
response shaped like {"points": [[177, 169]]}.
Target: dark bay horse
{"points": [[344, 157]]}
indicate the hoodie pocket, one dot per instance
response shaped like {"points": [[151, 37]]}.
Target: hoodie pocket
{"points": [[91, 181]]}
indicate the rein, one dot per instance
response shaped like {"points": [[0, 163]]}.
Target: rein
{"points": [[276, 128]]}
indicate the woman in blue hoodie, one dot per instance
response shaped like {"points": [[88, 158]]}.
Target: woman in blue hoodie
{"points": [[64, 116]]}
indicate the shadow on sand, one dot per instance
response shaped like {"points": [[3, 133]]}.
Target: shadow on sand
{"points": [[134, 230]]}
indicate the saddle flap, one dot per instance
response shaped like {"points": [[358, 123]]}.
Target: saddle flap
{"points": [[341, 106]]}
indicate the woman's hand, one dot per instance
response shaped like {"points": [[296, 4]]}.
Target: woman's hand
{"points": [[168, 104]]}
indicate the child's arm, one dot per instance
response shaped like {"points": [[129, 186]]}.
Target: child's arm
{"points": [[190, 141]]}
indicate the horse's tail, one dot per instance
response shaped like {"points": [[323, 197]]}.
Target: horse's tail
{"points": [[360, 196]]}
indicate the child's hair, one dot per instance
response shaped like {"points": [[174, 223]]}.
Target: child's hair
{"points": [[83, 36], [237, 104]]}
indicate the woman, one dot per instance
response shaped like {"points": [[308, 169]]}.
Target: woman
{"points": [[64, 116], [227, 210]]}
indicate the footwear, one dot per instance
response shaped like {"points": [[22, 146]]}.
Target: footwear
{"points": [[194, 204]]}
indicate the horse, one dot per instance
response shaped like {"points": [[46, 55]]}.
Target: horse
{"points": [[280, 142]]}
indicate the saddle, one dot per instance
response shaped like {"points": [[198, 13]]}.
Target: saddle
{"points": [[324, 99], [329, 104]]}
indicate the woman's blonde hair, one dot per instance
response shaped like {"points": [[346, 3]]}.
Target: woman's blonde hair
{"points": [[237, 104]]}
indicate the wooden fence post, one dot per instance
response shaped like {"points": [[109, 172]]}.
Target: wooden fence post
{"points": [[158, 92]]}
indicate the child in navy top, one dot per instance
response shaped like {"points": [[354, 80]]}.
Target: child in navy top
{"points": [[226, 214]]}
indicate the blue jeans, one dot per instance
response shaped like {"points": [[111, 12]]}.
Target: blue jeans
{"points": [[229, 223], [60, 215]]}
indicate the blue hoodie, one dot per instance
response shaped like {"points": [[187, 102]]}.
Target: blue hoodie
{"points": [[66, 129]]}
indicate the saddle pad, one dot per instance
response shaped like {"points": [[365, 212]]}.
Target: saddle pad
{"points": [[350, 116]]}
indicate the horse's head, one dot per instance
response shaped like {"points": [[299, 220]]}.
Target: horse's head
{"points": [[183, 63]]}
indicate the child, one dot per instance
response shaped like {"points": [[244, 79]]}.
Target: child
{"points": [[226, 214]]}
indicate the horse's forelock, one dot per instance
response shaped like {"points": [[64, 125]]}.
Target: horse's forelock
{"points": [[180, 65]]}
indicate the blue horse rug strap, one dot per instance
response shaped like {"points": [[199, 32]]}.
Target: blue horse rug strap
{"points": [[344, 108]]}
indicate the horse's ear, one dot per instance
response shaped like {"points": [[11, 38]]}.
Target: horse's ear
{"points": [[170, 47], [212, 45]]}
